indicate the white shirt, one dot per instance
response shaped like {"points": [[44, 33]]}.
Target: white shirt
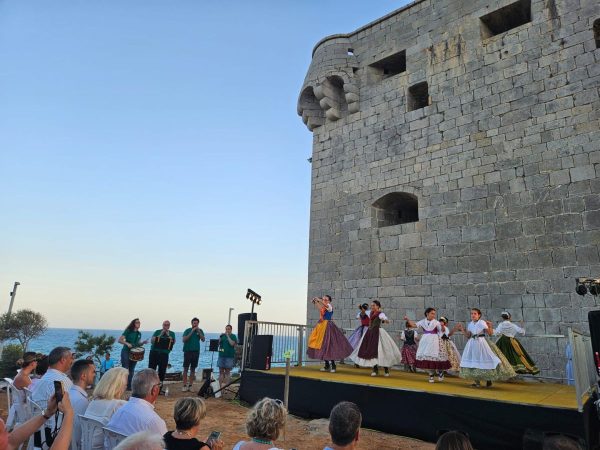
{"points": [[137, 415], [102, 411], [79, 401], [367, 312], [415, 335], [477, 328], [429, 325], [507, 328], [44, 389]]}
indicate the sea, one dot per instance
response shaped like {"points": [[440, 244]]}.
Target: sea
{"points": [[66, 337]]}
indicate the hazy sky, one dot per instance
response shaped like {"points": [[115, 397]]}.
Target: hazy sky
{"points": [[152, 163]]}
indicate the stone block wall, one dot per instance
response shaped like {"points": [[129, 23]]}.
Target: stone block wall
{"points": [[501, 151]]}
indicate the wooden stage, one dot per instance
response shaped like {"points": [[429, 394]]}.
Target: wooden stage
{"points": [[408, 405]]}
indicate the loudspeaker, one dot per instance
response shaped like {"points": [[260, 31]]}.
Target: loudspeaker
{"points": [[594, 322], [242, 318], [261, 351], [213, 345]]}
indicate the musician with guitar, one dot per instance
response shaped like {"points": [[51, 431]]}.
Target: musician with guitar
{"points": [[162, 344]]}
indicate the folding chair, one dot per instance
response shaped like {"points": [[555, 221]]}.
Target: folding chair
{"points": [[88, 428], [112, 438]]}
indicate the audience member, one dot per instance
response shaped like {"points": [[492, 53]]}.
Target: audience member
{"points": [[60, 360], [188, 413], [560, 442], [138, 413], [143, 440], [106, 399], [83, 373], [40, 370], [28, 365], [18, 437], [106, 364], [344, 426], [453, 440], [264, 423]]}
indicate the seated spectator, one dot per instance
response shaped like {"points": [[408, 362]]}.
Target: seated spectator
{"points": [[454, 440], [264, 423], [106, 399], [83, 373], [28, 365], [15, 439], [560, 442], [59, 360], [344, 426], [138, 413], [188, 413], [144, 440], [106, 364]]}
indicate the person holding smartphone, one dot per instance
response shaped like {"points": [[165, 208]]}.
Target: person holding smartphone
{"points": [[188, 413]]}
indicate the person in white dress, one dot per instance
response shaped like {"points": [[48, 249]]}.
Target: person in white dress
{"points": [[479, 360], [376, 347], [511, 347], [431, 354], [106, 400]]}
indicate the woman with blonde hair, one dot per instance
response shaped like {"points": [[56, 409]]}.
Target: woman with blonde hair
{"points": [[106, 399], [188, 413], [264, 424]]}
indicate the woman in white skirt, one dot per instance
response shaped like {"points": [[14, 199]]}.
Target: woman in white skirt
{"points": [[479, 361], [376, 347], [431, 354]]}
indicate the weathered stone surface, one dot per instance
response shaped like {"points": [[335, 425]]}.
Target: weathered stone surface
{"points": [[501, 157]]}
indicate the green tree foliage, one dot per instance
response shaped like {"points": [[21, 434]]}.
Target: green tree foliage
{"points": [[8, 362], [23, 326], [97, 346]]}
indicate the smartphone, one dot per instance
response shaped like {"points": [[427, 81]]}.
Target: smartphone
{"points": [[58, 391], [214, 436]]}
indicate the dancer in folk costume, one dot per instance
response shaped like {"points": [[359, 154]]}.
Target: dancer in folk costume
{"points": [[431, 354], [327, 342], [510, 346], [410, 337], [359, 332], [482, 360], [377, 348], [451, 350]]}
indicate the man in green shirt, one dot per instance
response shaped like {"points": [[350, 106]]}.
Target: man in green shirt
{"points": [[191, 353], [162, 344], [227, 343]]}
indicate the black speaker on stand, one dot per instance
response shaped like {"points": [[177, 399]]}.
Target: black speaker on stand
{"points": [[594, 322], [242, 318]]}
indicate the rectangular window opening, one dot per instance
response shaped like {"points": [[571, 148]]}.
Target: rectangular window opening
{"points": [[506, 18], [418, 96], [391, 65], [597, 32], [350, 51]]}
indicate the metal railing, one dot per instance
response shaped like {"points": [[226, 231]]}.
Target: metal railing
{"points": [[288, 339], [584, 368]]}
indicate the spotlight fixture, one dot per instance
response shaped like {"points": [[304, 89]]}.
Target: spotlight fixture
{"points": [[253, 297], [585, 285]]}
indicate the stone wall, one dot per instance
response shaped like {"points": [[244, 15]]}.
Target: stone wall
{"points": [[501, 149]]}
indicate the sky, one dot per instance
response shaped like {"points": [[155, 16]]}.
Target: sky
{"points": [[152, 162]]}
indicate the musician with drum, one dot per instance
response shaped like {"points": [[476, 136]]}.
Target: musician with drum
{"points": [[133, 350], [162, 344]]}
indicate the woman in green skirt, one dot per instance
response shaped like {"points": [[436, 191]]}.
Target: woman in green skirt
{"points": [[510, 346]]}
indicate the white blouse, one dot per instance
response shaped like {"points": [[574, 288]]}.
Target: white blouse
{"points": [[507, 328], [429, 325], [477, 327]]}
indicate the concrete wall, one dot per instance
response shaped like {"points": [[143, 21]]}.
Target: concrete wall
{"points": [[504, 162]]}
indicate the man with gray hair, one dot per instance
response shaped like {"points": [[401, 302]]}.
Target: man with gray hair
{"points": [[60, 360], [144, 440], [138, 413], [344, 426]]}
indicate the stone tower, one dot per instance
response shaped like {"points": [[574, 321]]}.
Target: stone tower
{"points": [[456, 164]]}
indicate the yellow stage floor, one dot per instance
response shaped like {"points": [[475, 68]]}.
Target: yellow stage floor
{"points": [[524, 392]]}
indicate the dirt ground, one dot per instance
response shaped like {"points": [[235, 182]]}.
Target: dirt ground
{"points": [[228, 416]]}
